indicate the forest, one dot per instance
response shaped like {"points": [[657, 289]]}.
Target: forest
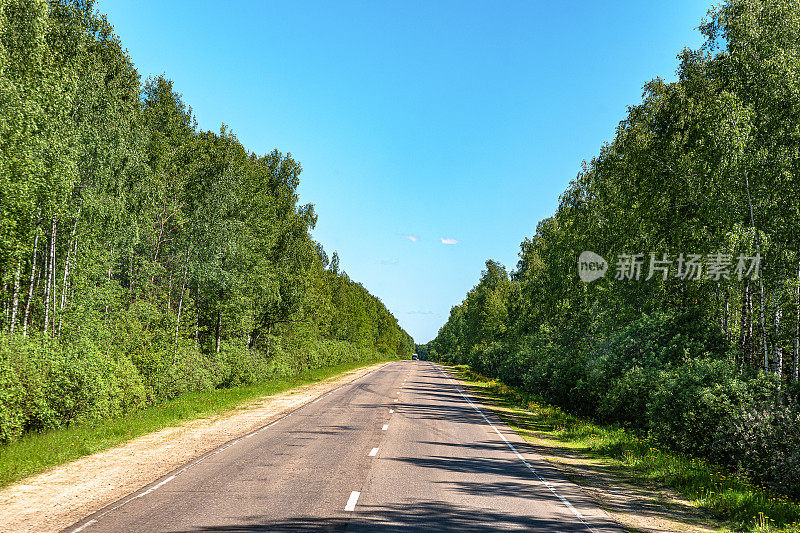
{"points": [[141, 257], [707, 165]]}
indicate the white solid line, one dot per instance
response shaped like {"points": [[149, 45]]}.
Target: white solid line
{"points": [[373, 452], [84, 526], [351, 502], [526, 463], [385, 427]]}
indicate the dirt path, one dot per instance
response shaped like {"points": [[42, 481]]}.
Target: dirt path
{"points": [[62, 495]]}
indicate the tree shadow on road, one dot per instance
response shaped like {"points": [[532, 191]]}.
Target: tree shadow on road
{"points": [[414, 516], [637, 503]]}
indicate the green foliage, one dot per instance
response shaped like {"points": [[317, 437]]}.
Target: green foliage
{"points": [[142, 258], [705, 164]]}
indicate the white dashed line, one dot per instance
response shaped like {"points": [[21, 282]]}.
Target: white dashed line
{"points": [[219, 450], [351, 502], [373, 452]]}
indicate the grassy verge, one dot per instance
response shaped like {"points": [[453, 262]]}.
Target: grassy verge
{"points": [[36, 452], [744, 506]]}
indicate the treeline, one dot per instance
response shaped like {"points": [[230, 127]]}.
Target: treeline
{"points": [[141, 257], [709, 166]]}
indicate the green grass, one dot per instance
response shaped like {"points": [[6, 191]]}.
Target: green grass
{"points": [[35, 452], [743, 505]]}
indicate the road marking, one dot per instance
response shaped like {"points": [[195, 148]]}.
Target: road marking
{"points": [[219, 450], [519, 456], [351, 502], [385, 427], [373, 452]]}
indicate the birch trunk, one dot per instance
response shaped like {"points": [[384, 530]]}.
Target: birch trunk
{"points": [[44, 280], [743, 325], [796, 353], [764, 328], [68, 262], [15, 298], [53, 268], [777, 351], [760, 279], [219, 330], [180, 301], [49, 287], [751, 331], [169, 294], [269, 339], [197, 318], [67, 265], [30, 286]]}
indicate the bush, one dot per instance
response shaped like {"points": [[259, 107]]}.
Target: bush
{"points": [[765, 444], [45, 384], [627, 397], [12, 393], [623, 371], [694, 405]]}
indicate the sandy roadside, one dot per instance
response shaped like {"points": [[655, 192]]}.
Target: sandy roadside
{"points": [[62, 495]]}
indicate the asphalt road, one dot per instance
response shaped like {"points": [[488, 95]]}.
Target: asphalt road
{"points": [[401, 449]]}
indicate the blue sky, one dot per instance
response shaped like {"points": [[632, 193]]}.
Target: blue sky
{"points": [[433, 135]]}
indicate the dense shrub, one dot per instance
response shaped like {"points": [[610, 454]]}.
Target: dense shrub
{"points": [[624, 370], [665, 375], [692, 407], [46, 385], [764, 442]]}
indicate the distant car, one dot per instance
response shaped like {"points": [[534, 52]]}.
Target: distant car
{"points": [[414, 357]]}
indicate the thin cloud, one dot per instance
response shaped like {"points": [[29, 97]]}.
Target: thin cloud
{"points": [[448, 240], [389, 261], [412, 238]]}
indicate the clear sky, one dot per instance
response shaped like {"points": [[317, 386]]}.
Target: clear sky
{"points": [[433, 135]]}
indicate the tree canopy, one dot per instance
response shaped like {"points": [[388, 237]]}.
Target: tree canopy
{"points": [[139, 254], [706, 165]]}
